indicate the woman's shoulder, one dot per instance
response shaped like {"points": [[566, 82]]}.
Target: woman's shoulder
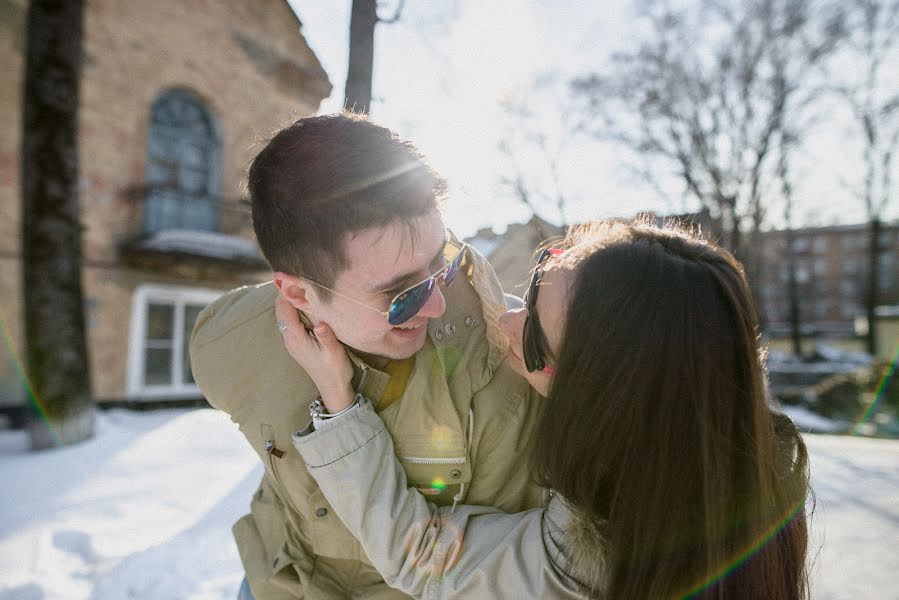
{"points": [[576, 545]]}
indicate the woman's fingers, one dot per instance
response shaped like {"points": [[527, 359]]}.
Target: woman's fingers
{"points": [[325, 336], [286, 313], [295, 335], [319, 353], [298, 339]]}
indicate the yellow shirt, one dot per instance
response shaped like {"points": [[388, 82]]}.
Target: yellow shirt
{"points": [[399, 371]]}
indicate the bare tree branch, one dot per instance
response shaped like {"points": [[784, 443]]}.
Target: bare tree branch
{"points": [[708, 90], [873, 34]]}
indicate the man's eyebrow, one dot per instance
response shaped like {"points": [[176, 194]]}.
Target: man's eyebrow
{"points": [[406, 279]]}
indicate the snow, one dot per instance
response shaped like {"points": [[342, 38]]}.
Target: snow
{"points": [[837, 355], [807, 421], [855, 523], [887, 311], [144, 510], [202, 243], [819, 367]]}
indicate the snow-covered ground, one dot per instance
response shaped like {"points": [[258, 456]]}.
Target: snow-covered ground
{"points": [[144, 510]]}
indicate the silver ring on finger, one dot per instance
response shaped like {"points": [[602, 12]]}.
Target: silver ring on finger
{"points": [[282, 326]]}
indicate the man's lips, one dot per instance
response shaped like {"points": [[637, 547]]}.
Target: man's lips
{"points": [[405, 327], [408, 332]]}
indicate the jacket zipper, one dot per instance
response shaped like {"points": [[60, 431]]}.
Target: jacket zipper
{"points": [[363, 377], [432, 461], [268, 435]]}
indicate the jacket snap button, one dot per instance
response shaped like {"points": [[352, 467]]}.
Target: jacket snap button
{"points": [[455, 473], [321, 512], [438, 335], [469, 320], [450, 328]]}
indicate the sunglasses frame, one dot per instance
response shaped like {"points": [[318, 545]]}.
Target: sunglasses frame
{"points": [[432, 279], [533, 358]]}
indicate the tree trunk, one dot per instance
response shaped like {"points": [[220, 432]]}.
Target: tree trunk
{"points": [[62, 411], [871, 289], [754, 264], [362, 55], [795, 316], [793, 292]]}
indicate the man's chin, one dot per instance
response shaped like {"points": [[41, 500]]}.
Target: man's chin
{"points": [[405, 342]]}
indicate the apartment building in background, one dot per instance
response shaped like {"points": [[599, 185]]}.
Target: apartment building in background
{"points": [[831, 273]]}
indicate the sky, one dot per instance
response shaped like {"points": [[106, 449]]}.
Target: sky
{"points": [[443, 72]]}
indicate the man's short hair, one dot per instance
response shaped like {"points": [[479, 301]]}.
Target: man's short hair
{"points": [[324, 177]]}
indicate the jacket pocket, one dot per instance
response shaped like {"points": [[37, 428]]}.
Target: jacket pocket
{"points": [[440, 480], [319, 526], [261, 538], [329, 536]]}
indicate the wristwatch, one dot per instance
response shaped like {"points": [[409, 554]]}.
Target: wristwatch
{"points": [[320, 414]]}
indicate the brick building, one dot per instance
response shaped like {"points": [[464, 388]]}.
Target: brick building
{"points": [[513, 252], [175, 97], [831, 272], [832, 266]]}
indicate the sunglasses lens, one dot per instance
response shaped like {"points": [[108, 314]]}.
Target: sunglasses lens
{"points": [[407, 304], [532, 359]]}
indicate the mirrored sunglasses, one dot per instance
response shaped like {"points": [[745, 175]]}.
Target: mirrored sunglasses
{"points": [[408, 302]]}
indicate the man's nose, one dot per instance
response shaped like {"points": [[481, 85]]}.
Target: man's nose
{"points": [[435, 306]]}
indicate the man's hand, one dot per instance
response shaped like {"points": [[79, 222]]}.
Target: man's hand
{"points": [[320, 354]]}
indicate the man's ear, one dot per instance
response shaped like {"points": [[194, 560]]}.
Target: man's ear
{"points": [[295, 290]]}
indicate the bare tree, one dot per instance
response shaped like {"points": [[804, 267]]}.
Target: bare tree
{"points": [[539, 129], [364, 18], [705, 95], [56, 354], [874, 101], [783, 174]]}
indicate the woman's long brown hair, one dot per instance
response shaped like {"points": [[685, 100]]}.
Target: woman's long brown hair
{"points": [[658, 426]]}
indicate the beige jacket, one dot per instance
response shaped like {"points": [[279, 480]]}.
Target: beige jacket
{"points": [[435, 553], [461, 429]]}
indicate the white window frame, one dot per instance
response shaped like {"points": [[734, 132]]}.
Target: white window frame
{"points": [[136, 389]]}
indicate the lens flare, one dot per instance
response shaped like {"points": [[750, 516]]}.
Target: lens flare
{"points": [[438, 484], [879, 391], [441, 438], [434, 544], [33, 397], [747, 554]]}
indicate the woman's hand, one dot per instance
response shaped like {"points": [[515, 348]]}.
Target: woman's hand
{"points": [[320, 354]]}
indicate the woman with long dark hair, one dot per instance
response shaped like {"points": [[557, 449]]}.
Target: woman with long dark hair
{"points": [[671, 474]]}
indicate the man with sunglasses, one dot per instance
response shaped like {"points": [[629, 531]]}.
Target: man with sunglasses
{"points": [[347, 214]]}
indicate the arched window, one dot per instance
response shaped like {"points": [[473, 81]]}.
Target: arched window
{"points": [[182, 172]]}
